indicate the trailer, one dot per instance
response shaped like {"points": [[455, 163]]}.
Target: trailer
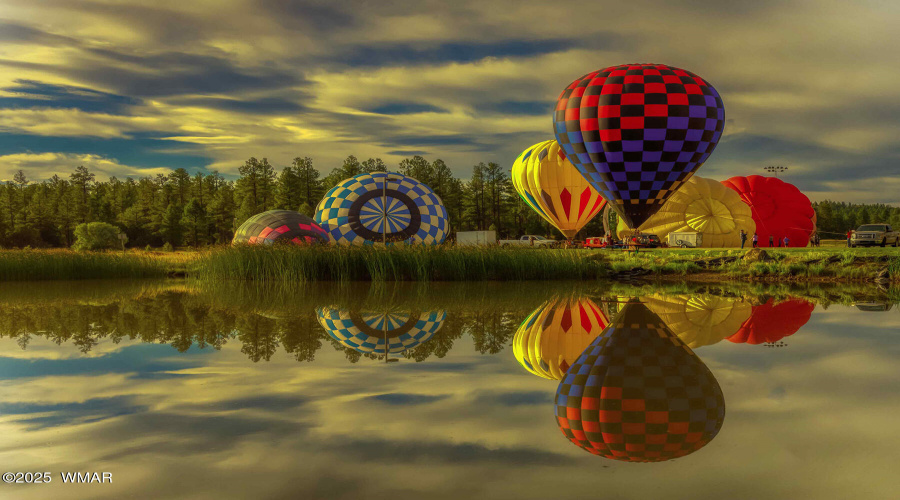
{"points": [[685, 240], [476, 238]]}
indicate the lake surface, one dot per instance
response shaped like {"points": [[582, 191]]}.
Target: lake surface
{"points": [[240, 391]]}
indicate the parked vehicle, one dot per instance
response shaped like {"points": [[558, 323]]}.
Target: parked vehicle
{"points": [[650, 240], [685, 239], [476, 238], [874, 234], [530, 240], [874, 306], [596, 242]]}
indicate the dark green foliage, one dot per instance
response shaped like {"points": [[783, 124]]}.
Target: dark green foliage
{"points": [[835, 218], [96, 236]]}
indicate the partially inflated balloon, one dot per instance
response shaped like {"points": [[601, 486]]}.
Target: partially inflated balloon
{"points": [[779, 209], [704, 206], [639, 394], [556, 333], [638, 131], [378, 332], [771, 322], [551, 186], [700, 320], [279, 225], [382, 206]]}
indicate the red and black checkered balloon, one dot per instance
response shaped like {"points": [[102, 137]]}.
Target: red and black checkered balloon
{"points": [[279, 225], [639, 394], [637, 132]]}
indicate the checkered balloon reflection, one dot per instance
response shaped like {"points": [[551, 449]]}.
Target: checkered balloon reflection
{"points": [[390, 207], [638, 131], [279, 225], [378, 332], [639, 394]]}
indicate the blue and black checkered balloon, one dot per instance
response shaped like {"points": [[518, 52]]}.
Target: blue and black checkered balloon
{"points": [[637, 132], [382, 207]]}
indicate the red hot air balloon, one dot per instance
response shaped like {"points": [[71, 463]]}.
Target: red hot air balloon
{"points": [[771, 322], [638, 393], [637, 131], [779, 209]]}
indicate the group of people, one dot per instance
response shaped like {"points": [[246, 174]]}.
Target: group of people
{"points": [[783, 242]]}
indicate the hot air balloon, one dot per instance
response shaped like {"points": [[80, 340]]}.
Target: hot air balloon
{"points": [[704, 206], [779, 209], [551, 186], [639, 394], [556, 333], [279, 225], [637, 132], [700, 320], [382, 207], [379, 332], [771, 322]]}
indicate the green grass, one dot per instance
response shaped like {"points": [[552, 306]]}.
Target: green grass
{"points": [[21, 265], [421, 263]]}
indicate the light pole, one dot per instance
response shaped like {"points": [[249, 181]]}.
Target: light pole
{"points": [[775, 169]]}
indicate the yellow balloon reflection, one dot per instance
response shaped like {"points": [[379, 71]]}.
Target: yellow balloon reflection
{"points": [[556, 333], [700, 320]]}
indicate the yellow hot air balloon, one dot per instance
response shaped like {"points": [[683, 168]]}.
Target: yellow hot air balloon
{"points": [[550, 185], [705, 206], [700, 320], [556, 333]]}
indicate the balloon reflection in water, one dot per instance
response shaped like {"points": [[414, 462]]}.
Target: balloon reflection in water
{"points": [[380, 332], [771, 322], [639, 394], [556, 333], [700, 320]]}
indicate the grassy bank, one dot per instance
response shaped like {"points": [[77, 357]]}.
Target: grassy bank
{"points": [[340, 263], [333, 263], [21, 265]]}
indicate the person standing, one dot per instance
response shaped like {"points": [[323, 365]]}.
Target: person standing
{"points": [[743, 238], [785, 241], [849, 235], [755, 240], [771, 241]]}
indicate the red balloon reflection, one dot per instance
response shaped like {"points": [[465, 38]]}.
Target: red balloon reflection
{"points": [[771, 322]]}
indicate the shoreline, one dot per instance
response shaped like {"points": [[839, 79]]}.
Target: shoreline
{"points": [[878, 266]]}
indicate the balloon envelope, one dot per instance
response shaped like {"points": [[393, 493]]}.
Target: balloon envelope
{"points": [[704, 206], [699, 320], [382, 206], [639, 394], [637, 132], [378, 332], [556, 333], [771, 322], [779, 209], [550, 185], [279, 225]]}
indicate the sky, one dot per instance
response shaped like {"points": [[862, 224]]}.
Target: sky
{"points": [[139, 88]]}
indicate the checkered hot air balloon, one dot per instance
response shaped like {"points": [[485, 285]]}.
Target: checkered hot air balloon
{"points": [[638, 131], [553, 188], [553, 336], [380, 332], [279, 225], [639, 394], [382, 206]]}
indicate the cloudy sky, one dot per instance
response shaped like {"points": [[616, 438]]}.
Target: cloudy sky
{"points": [[131, 88]]}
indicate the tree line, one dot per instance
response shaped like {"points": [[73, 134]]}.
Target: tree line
{"points": [[834, 218], [182, 209]]}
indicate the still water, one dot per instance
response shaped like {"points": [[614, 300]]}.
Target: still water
{"points": [[237, 391]]}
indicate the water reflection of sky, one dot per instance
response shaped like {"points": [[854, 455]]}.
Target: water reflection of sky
{"points": [[812, 419]]}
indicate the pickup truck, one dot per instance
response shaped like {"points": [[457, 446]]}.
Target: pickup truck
{"points": [[875, 234], [529, 240]]}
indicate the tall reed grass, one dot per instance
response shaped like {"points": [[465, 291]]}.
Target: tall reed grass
{"points": [[419, 263], [22, 265]]}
